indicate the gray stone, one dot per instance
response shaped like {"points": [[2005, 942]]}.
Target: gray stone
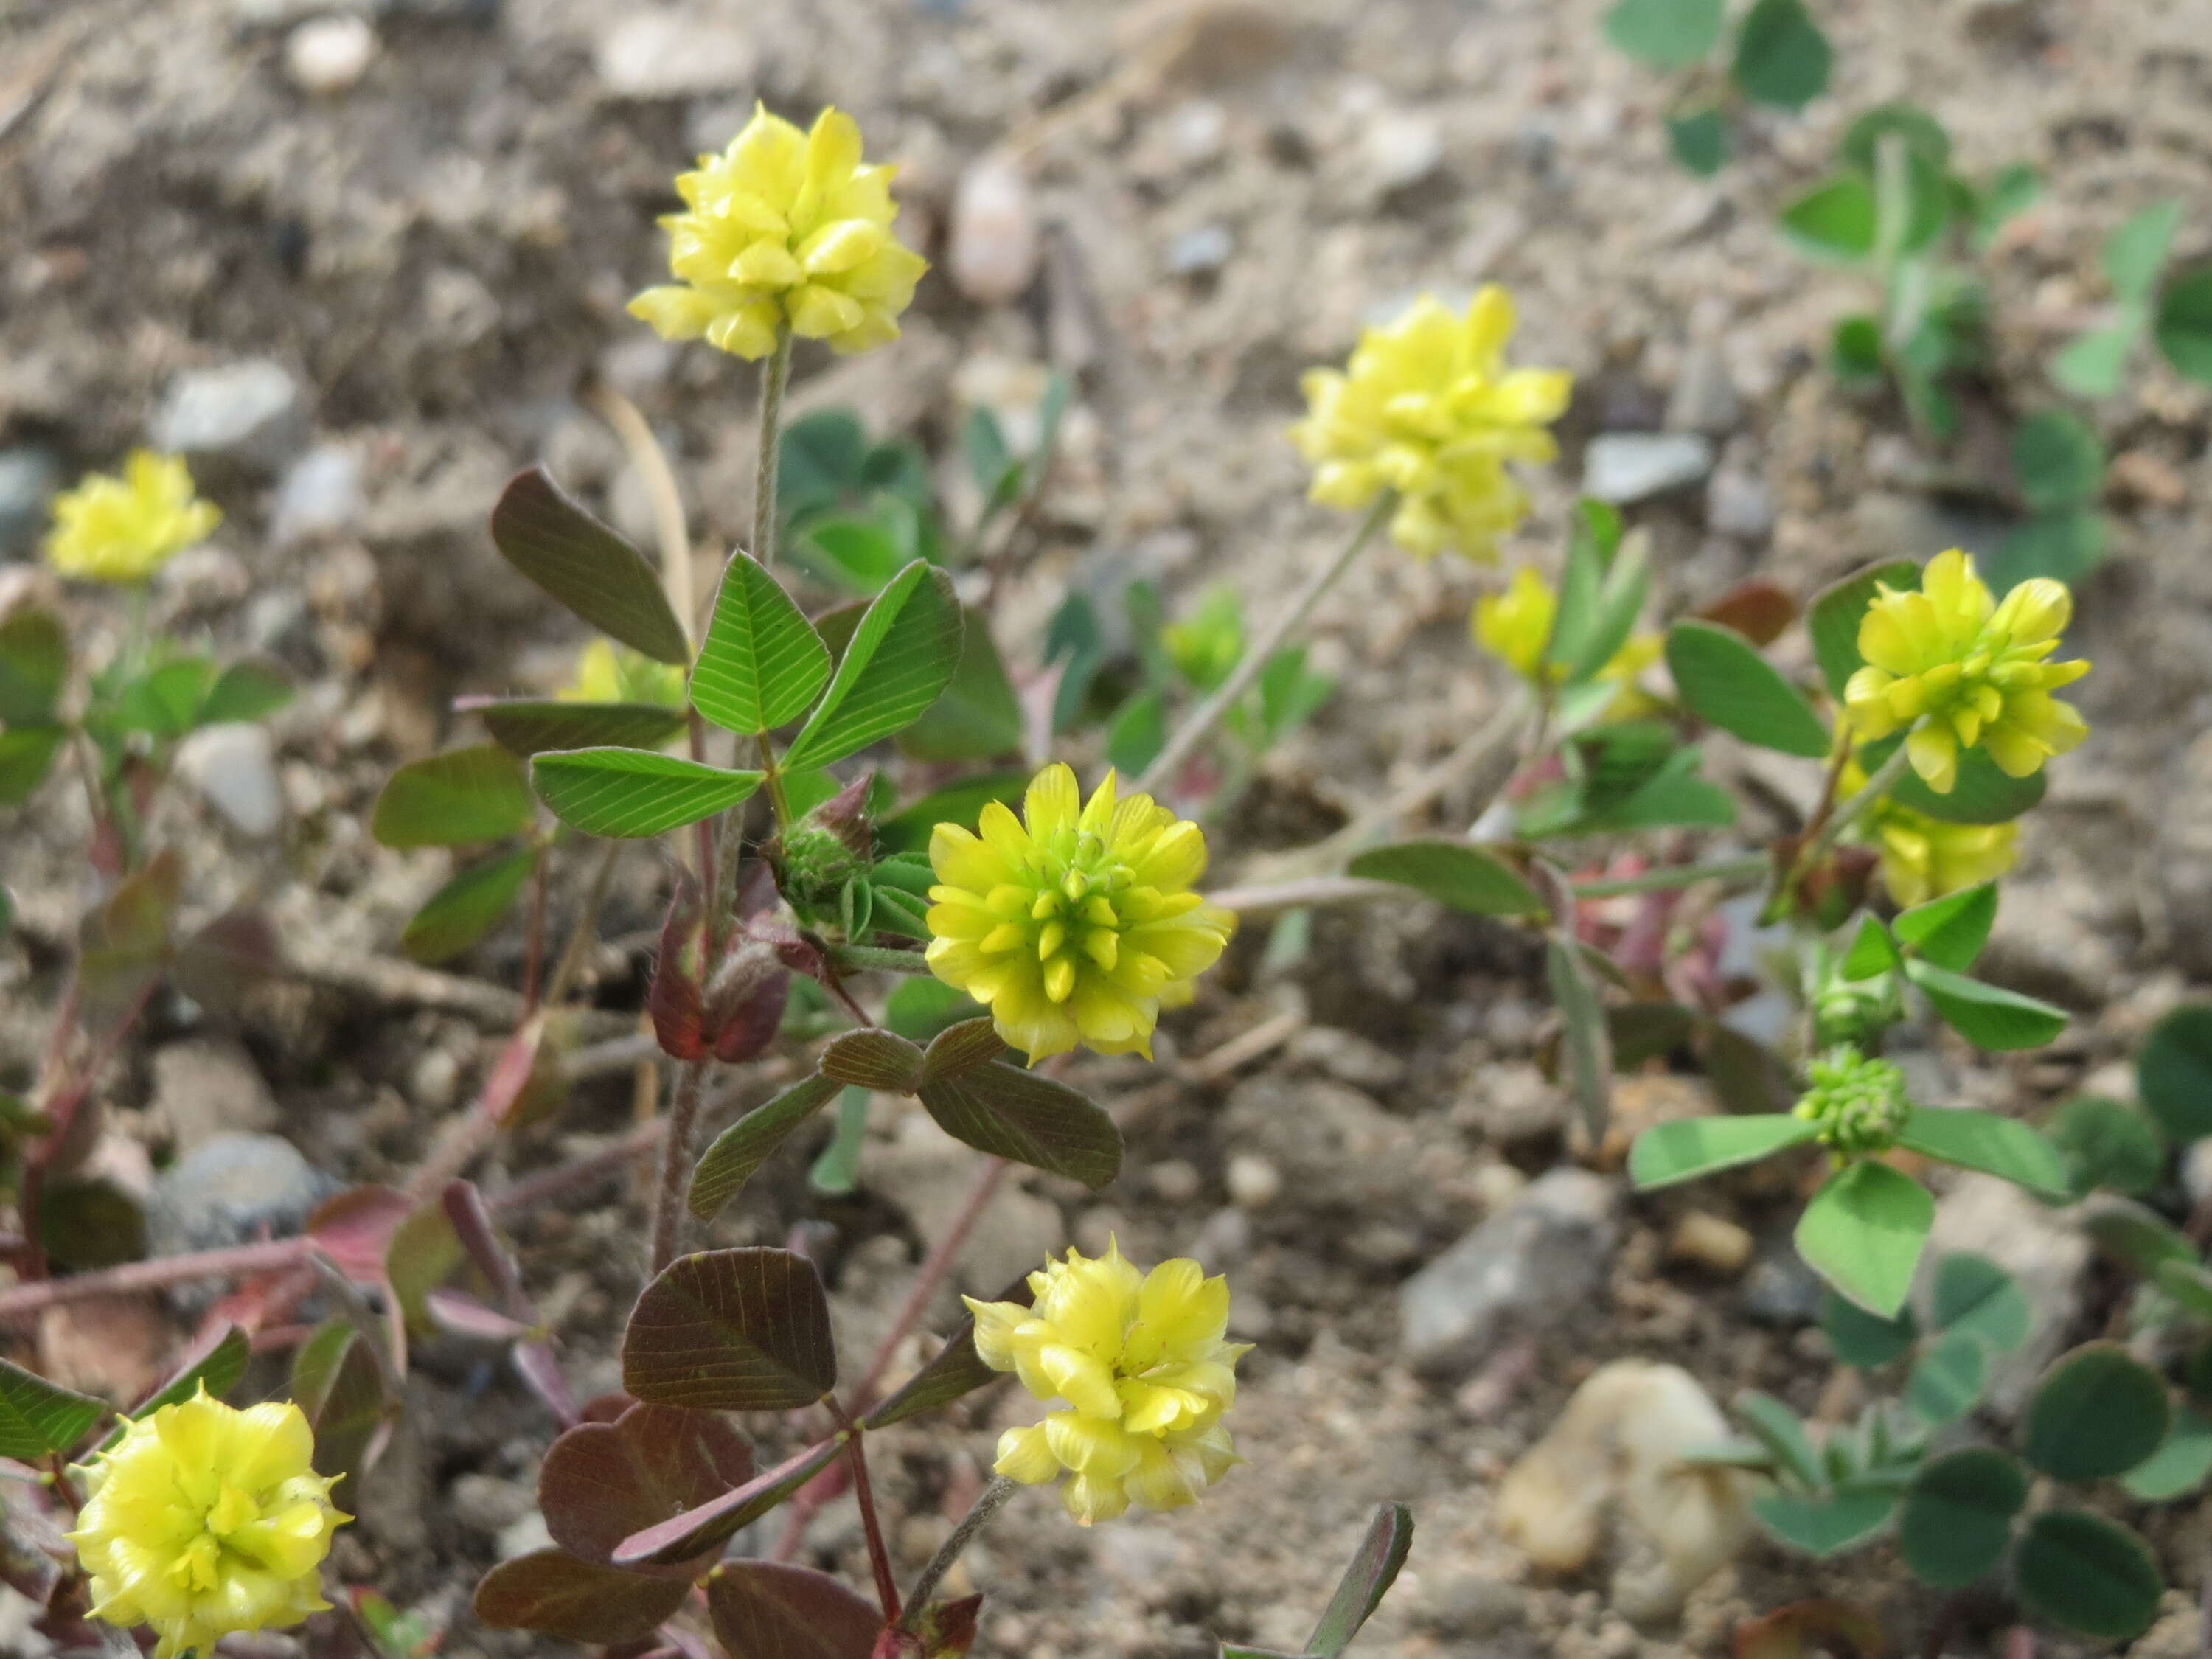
{"points": [[1703, 398], [1781, 1291], [249, 412], [1738, 503], [1470, 1604], [234, 767], [29, 476], [1203, 247], [204, 1086], [1631, 466], [1528, 1268], [2039, 1247], [485, 1503], [320, 496], [1399, 148], [232, 1190], [653, 54]]}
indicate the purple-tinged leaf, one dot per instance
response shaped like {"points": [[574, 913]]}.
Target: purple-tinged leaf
{"points": [[959, 1047], [956, 1369], [768, 1610], [585, 565], [731, 1330], [553, 1593], [740, 1150], [602, 1482], [690, 1534], [873, 1059]]}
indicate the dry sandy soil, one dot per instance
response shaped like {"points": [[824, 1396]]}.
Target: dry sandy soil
{"points": [[437, 255]]}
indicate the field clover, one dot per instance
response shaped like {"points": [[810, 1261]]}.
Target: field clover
{"points": [[1855, 1102], [1427, 407], [784, 230], [1075, 921], [607, 672], [204, 1519], [1924, 857], [123, 529], [1516, 627], [1140, 1362], [1954, 668]]}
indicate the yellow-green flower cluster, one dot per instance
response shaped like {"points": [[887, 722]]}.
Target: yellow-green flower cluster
{"points": [[1143, 1371], [1516, 627], [1427, 407], [606, 673], [203, 1520], [784, 229], [1955, 670], [1924, 857], [123, 529], [1076, 922], [1857, 1101]]}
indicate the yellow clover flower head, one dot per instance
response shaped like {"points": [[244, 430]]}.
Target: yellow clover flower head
{"points": [[1427, 407], [1924, 857], [1957, 670], [784, 227], [606, 673], [203, 1520], [1516, 627], [123, 529], [1076, 922], [1139, 1364]]}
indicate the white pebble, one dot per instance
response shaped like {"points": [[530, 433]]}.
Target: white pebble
{"points": [[993, 253], [327, 56], [1254, 1181]]}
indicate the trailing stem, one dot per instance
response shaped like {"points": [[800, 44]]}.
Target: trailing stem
{"points": [[676, 1162]]}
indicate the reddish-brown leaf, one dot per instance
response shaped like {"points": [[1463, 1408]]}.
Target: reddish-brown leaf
{"points": [[1012, 1114], [767, 1610], [554, 1593], [874, 1060], [676, 1001], [731, 1330], [603, 1481], [959, 1047], [685, 1537], [354, 1228], [1756, 609]]}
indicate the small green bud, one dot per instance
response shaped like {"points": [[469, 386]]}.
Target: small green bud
{"points": [[813, 867], [1857, 1101]]}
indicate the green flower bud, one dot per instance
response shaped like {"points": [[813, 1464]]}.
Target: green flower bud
{"points": [[1857, 1101]]}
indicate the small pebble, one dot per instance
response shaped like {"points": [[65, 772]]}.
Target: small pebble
{"points": [[1710, 1241], [1254, 1181], [994, 245], [329, 55], [1174, 1180], [435, 1082], [1495, 1186], [1205, 247]]}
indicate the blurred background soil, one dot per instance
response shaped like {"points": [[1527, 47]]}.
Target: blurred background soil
{"points": [[365, 260]]}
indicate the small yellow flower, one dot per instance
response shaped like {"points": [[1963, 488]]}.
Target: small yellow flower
{"points": [[1427, 407], [1924, 857], [1956, 670], [606, 673], [112, 529], [1516, 627], [784, 227], [1141, 1365], [204, 1519], [1074, 922]]}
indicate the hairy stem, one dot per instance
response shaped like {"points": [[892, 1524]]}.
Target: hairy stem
{"points": [[993, 1498], [676, 1163], [775, 376], [1203, 719], [864, 1490]]}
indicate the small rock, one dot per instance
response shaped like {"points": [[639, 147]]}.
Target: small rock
{"points": [[1175, 1179], [249, 412], [1201, 248], [1529, 1267], [1514, 1103], [1616, 1455], [1495, 1185], [29, 476], [114, 1348], [1347, 1057], [1703, 398], [232, 1189], [1254, 1184], [665, 54], [487, 1504], [1224, 1241], [2038, 1247], [327, 56], [1384, 1244], [1782, 1291], [1470, 1604], [320, 496], [1400, 149], [234, 767], [204, 1086], [993, 245], [435, 1081], [1738, 503], [526, 1535], [1710, 1241], [1631, 466]]}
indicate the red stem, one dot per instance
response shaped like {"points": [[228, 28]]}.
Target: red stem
{"points": [[272, 1256], [879, 1559]]}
